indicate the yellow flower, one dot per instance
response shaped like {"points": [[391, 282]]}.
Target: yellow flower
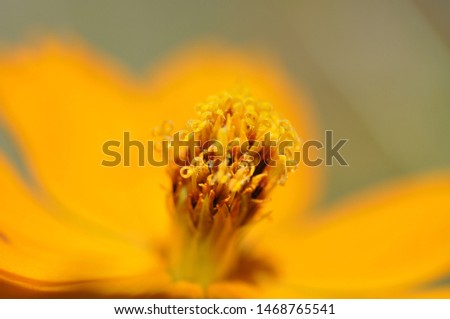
{"points": [[72, 227]]}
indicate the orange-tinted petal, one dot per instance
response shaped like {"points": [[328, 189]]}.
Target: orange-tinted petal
{"points": [[233, 290], [62, 103], [384, 242], [431, 293], [181, 289], [40, 251]]}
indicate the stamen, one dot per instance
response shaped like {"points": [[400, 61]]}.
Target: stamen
{"points": [[234, 166], [228, 177]]}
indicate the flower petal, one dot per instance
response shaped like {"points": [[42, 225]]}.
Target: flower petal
{"points": [[42, 252], [62, 103], [181, 290], [233, 290], [381, 243], [432, 293]]}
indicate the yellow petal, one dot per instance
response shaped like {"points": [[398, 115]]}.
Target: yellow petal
{"points": [[62, 103], [39, 251], [381, 243], [233, 290], [180, 290], [432, 293]]}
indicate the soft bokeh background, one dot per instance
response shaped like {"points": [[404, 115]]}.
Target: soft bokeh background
{"points": [[377, 72]]}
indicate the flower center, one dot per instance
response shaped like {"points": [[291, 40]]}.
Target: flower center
{"points": [[225, 165]]}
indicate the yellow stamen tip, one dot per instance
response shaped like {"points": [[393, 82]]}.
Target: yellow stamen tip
{"points": [[230, 173]]}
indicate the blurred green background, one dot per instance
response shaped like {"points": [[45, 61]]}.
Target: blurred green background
{"points": [[378, 72]]}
